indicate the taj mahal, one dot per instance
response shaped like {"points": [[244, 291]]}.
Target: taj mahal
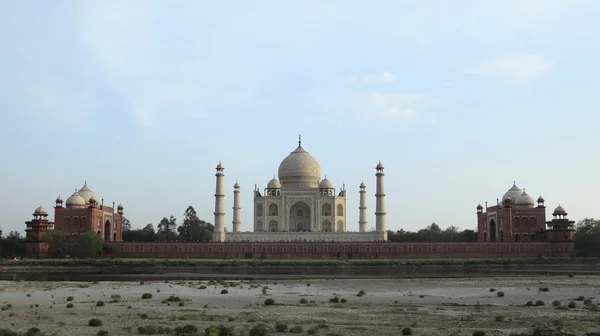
{"points": [[300, 206]]}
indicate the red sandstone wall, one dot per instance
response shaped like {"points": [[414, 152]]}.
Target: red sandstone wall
{"points": [[343, 250]]}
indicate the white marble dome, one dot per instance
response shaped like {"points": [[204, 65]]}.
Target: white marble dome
{"points": [[86, 193], [559, 211], [525, 200], [301, 169], [75, 201], [40, 211], [325, 184], [274, 184]]}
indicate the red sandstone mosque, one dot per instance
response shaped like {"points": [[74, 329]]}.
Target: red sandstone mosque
{"points": [[302, 216]]}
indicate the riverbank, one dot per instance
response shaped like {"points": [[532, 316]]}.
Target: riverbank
{"points": [[498, 306], [267, 263]]}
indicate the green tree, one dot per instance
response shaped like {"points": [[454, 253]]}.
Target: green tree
{"points": [[587, 237], [88, 244], [167, 228], [12, 246], [126, 224], [193, 228], [56, 240], [147, 234]]}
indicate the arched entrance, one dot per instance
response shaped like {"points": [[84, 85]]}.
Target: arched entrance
{"points": [[326, 226], [501, 235], [299, 219], [273, 227], [492, 230], [107, 231]]}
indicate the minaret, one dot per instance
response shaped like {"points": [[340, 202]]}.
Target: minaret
{"points": [[219, 233], [362, 209], [380, 202], [236, 207]]}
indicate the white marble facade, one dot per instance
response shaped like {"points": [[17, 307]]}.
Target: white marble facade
{"points": [[299, 206]]}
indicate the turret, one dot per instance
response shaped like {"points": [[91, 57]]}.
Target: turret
{"points": [[219, 233], [561, 229], [236, 207], [380, 201], [362, 209], [35, 231]]}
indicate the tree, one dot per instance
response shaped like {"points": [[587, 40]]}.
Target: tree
{"points": [[126, 224], [587, 237], [193, 228], [56, 239], [14, 234], [88, 244], [433, 232], [167, 228], [147, 234], [12, 246]]}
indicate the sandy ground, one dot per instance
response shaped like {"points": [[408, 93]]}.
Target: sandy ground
{"points": [[429, 306]]}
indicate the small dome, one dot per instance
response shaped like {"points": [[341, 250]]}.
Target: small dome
{"points": [[540, 199], [120, 207], [525, 200], [236, 185], [559, 211], [92, 200], [325, 184], [40, 211], [300, 168], [379, 165], [59, 199], [362, 185], [274, 184], [220, 165], [479, 206], [75, 201]]}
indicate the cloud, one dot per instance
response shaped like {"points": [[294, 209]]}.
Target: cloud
{"points": [[392, 106], [384, 77], [516, 70]]}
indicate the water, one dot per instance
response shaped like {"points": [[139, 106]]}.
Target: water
{"points": [[287, 273]]}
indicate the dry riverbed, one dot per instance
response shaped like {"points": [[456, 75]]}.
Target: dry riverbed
{"points": [[427, 306]]}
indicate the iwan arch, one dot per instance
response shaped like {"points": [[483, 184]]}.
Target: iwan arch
{"points": [[299, 207]]}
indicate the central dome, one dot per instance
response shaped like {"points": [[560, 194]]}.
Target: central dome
{"points": [[299, 170]]}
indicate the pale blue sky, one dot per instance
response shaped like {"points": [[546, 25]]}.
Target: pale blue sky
{"points": [[143, 98]]}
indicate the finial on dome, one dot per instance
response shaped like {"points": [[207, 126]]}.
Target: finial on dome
{"points": [[299, 140]]}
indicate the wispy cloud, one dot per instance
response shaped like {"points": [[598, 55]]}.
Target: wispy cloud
{"points": [[372, 78], [392, 106], [516, 70]]}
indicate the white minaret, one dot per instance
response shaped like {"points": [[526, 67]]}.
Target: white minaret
{"points": [[236, 207], [219, 234], [380, 202], [362, 209]]}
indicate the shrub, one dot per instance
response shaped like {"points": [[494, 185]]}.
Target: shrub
{"points": [[281, 327], [202, 287], [539, 303], [141, 282], [500, 294], [556, 303], [102, 333], [30, 332], [296, 329], [580, 298], [343, 300], [572, 304], [6, 332], [334, 299], [545, 289], [259, 330], [181, 304], [479, 333], [100, 303], [570, 275], [269, 302], [219, 330], [406, 331], [224, 291], [303, 301], [587, 302], [147, 296], [70, 298], [529, 303], [70, 305], [173, 298], [187, 330], [94, 323], [144, 316], [499, 318], [115, 296], [492, 289], [231, 319], [361, 293]]}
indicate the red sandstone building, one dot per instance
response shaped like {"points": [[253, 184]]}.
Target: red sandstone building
{"points": [[515, 229]]}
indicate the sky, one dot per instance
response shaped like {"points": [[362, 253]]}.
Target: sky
{"points": [[142, 99]]}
